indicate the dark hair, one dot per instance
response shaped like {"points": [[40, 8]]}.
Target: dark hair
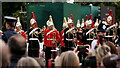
{"points": [[108, 63], [17, 45], [11, 24], [112, 47]]}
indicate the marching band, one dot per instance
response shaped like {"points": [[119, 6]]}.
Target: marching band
{"points": [[88, 32]]}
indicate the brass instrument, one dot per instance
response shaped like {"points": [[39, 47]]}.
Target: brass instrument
{"points": [[91, 33], [36, 34]]}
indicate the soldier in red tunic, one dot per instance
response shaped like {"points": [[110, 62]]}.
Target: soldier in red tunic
{"points": [[65, 25], [51, 39], [19, 29]]}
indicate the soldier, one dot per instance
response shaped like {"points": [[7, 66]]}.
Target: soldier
{"points": [[34, 37], [62, 35], [70, 38], [51, 39], [10, 26], [79, 33], [19, 29], [89, 25], [109, 19]]}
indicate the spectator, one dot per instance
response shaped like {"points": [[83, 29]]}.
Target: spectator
{"points": [[68, 60], [27, 62], [101, 52], [113, 49], [10, 26], [4, 54], [17, 45], [118, 60], [108, 63]]}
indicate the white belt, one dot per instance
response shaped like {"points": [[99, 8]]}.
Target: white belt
{"points": [[90, 39], [50, 39], [69, 39], [33, 39], [62, 39], [108, 36]]}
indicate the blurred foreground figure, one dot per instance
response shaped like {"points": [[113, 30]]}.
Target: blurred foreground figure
{"points": [[27, 62], [4, 54], [34, 37], [10, 26], [17, 45], [67, 59]]}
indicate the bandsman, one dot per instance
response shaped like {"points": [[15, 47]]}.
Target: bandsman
{"points": [[34, 37], [70, 36], [79, 33], [65, 25], [51, 40], [19, 29]]}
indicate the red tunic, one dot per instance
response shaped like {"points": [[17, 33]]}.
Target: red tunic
{"points": [[51, 36], [21, 32]]}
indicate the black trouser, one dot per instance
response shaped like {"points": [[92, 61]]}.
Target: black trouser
{"points": [[33, 49], [49, 54]]}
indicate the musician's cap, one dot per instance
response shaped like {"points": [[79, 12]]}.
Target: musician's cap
{"points": [[82, 24], [109, 18], [10, 19], [70, 21], [78, 23], [65, 22], [18, 22], [32, 21], [49, 23], [96, 23], [50, 18]]}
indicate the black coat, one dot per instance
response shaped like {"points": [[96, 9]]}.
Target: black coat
{"points": [[68, 35], [33, 48], [7, 34]]}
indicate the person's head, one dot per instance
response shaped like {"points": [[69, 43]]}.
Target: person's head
{"points": [[9, 25], [101, 52], [50, 27], [4, 53], [70, 23], [19, 27], [10, 22], [33, 23], [27, 62], [108, 63], [68, 59], [17, 45], [112, 46]]}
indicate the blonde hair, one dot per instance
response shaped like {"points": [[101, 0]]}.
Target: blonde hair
{"points": [[68, 60], [4, 53], [101, 52], [27, 62]]}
